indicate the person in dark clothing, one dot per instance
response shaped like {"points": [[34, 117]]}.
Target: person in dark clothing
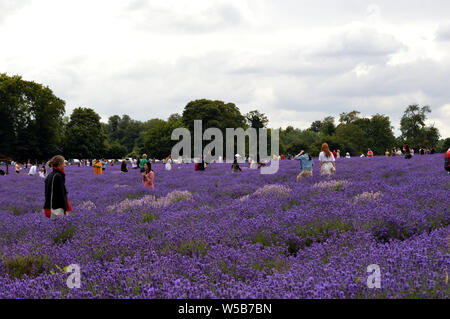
{"points": [[56, 201], [407, 150], [235, 167], [123, 167]]}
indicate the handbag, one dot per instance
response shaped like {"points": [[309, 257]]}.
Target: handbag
{"points": [[59, 212]]}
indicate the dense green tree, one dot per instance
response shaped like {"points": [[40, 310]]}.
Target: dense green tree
{"points": [[31, 119], [315, 126], [412, 126], [443, 145], [84, 135], [215, 114], [327, 128], [157, 141], [116, 150]]}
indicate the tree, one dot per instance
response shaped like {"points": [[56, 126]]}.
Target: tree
{"points": [[256, 119], [443, 145], [380, 133], [116, 150], [412, 123], [327, 127], [31, 119], [84, 135], [315, 126], [214, 114], [157, 141], [347, 118]]}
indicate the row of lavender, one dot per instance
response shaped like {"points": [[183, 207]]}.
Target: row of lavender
{"points": [[218, 234]]}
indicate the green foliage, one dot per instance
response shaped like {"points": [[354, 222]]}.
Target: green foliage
{"points": [[116, 150], [443, 145], [414, 131], [65, 235], [319, 231], [31, 119], [157, 142], [84, 135], [149, 217], [32, 266], [264, 239], [191, 248]]}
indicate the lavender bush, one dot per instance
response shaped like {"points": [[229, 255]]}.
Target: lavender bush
{"points": [[214, 234]]}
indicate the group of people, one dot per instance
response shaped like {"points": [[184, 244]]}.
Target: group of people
{"points": [[56, 196]]}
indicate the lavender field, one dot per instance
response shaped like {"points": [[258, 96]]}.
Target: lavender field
{"points": [[218, 234]]}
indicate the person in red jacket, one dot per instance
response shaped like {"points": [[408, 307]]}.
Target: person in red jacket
{"points": [[447, 161], [369, 153], [335, 154]]}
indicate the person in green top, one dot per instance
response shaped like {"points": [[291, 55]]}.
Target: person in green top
{"points": [[143, 161]]}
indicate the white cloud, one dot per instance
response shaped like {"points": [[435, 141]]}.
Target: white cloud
{"points": [[296, 61]]}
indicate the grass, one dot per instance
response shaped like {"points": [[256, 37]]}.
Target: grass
{"points": [[32, 266]]}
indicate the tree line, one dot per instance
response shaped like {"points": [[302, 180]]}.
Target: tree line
{"points": [[33, 125]]}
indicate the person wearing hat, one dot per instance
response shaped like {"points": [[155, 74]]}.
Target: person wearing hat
{"points": [[235, 167]]}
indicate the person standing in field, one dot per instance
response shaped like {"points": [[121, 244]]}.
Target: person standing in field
{"points": [[32, 170], [142, 163], [103, 161], [369, 153], [447, 161], [326, 161], [235, 166], [347, 155], [123, 166], [168, 163], [148, 175], [335, 154], [98, 167], [407, 151], [306, 165], [133, 163], [56, 200]]}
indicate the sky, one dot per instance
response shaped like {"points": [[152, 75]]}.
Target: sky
{"points": [[297, 61]]}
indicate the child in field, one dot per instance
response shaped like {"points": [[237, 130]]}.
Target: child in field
{"points": [[306, 165]]}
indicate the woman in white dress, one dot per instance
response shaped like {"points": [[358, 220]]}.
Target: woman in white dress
{"points": [[327, 161]]}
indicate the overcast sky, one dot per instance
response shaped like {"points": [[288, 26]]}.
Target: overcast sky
{"points": [[295, 60]]}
